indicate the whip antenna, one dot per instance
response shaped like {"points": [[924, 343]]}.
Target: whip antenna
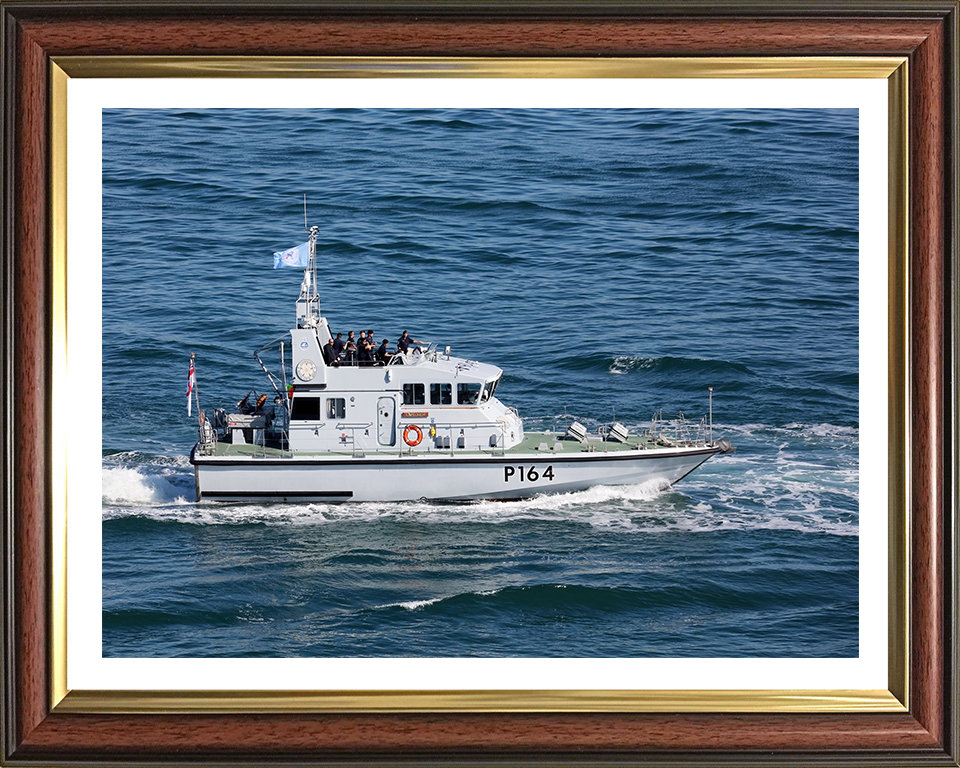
{"points": [[711, 413]]}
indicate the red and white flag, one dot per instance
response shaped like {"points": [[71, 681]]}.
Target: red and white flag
{"points": [[191, 381]]}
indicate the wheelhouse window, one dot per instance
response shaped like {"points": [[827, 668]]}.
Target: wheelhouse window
{"points": [[441, 394], [468, 394], [305, 409], [413, 394], [489, 390], [336, 407]]}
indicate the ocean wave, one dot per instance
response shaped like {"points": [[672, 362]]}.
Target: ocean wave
{"points": [[452, 124], [136, 479], [825, 430], [173, 185], [584, 600], [846, 432], [799, 512], [413, 605], [122, 458], [141, 618], [628, 364]]}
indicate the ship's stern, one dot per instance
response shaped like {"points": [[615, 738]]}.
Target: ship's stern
{"points": [[196, 470]]}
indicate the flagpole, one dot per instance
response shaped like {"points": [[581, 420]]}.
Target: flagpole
{"points": [[711, 413], [196, 392], [192, 385]]}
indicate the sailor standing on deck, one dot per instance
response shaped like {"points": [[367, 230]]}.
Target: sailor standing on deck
{"points": [[371, 348], [330, 352], [382, 355], [404, 342], [351, 349], [363, 349]]}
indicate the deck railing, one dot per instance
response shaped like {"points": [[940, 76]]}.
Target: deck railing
{"points": [[678, 431], [352, 439], [206, 439], [497, 448], [416, 353], [359, 446]]}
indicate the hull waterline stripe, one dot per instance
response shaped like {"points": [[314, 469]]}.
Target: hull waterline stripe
{"points": [[277, 494], [229, 461]]}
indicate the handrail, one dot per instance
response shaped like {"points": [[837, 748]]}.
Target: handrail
{"points": [[429, 351], [415, 354], [461, 424], [352, 428], [681, 429], [206, 439], [499, 426]]}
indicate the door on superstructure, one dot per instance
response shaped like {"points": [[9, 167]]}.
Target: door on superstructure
{"points": [[386, 421]]}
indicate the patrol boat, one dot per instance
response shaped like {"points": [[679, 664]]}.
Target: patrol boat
{"points": [[422, 424]]}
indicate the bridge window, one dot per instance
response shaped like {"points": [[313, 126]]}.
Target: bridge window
{"points": [[441, 394], [336, 407], [413, 394], [305, 409], [468, 394]]}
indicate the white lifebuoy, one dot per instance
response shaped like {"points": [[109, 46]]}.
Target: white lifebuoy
{"points": [[412, 428]]}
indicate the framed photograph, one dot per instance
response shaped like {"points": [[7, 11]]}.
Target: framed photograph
{"points": [[457, 159], [789, 174]]}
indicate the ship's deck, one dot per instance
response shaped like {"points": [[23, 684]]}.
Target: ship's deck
{"points": [[533, 443]]}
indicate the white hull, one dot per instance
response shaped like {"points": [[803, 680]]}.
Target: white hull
{"points": [[440, 477]]}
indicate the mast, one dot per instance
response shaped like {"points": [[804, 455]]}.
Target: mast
{"points": [[315, 296], [308, 305]]}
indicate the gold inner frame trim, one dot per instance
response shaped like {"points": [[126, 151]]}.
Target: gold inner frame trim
{"points": [[318, 67], [431, 701], [58, 376], [898, 387], [893, 69]]}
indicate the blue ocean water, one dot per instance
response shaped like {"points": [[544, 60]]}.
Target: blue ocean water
{"points": [[610, 261]]}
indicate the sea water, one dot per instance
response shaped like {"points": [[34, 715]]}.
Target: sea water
{"points": [[612, 262]]}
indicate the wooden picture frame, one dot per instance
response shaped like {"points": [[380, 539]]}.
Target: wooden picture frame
{"points": [[39, 730]]}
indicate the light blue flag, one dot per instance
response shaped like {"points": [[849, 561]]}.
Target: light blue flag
{"points": [[294, 257]]}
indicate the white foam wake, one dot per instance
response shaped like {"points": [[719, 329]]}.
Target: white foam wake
{"points": [[129, 485], [776, 480]]}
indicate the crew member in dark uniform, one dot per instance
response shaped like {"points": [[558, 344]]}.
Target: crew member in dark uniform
{"points": [[338, 344], [351, 349], [363, 350], [382, 355], [330, 353], [404, 342], [371, 348]]}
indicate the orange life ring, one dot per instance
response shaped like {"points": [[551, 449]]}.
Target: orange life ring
{"points": [[417, 431]]}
